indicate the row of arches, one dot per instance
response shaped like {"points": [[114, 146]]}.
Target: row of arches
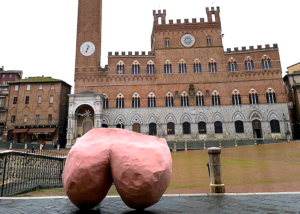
{"points": [[182, 66], [184, 97]]}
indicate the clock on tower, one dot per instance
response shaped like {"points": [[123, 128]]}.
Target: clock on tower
{"points": [[88, 47]]}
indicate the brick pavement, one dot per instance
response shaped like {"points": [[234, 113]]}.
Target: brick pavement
{"points": [[288, 203]]}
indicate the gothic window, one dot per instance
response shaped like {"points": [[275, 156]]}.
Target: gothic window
{"points": [[120, 101], [197, 66], [105, 101], [253, 97], [199, 99], [182, 67], [152, 129], [167, 43], [169, 100], [212, 66], [202, 128], [37, 118], [151, 101], [171, 128], [136, 101], [218, 127], [239, 127], [232, 65], [184, 99], [275, 126], [208, 41], [168, 67], [186, 128], [27, 100], [150, 68], [215, 98], [249, 65], [236, 98], [266, 62], [271, 96], [120, 68], [135, 68]]}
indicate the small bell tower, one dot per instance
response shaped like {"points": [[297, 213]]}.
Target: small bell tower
{"points": [[89, 27]]}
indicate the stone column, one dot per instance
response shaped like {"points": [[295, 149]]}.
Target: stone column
{"points": [[70, 131], [215, 167]]}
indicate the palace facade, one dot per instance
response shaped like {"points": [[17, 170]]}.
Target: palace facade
{"points": [[186, 87]]}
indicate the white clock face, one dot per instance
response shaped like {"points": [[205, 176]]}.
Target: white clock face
{"points": [[87, 49], [188, 40]]}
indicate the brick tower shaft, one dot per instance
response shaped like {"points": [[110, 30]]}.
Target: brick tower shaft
{"points": [[89, 30]]}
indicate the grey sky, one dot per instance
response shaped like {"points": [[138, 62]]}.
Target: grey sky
{"points": [[39, 36]]}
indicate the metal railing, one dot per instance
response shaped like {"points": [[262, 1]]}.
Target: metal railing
{"points": [[23, 171]]}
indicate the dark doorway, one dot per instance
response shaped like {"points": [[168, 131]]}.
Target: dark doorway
{"points": [[152, 129], [10, 136], [257, 130], [87, 126], [120, 126], [136, 127], [104, 126]]}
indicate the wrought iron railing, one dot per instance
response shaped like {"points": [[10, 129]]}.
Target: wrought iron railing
{"points": [[23, 171]]}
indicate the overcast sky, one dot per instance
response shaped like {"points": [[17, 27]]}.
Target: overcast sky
{"points": [[39, 36]]}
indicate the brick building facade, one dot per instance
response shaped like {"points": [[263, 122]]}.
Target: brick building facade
{"points": [[38, 108], [5, 77], [187, 86], [292, 86]]}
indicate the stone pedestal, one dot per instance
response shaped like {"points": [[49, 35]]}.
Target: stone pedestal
{"points": [[215, 167]]}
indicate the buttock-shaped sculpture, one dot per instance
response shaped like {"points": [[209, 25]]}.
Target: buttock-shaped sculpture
{"points": [[140, 166]]}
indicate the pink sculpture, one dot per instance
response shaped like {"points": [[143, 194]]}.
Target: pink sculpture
{"points": [[139, 165]]}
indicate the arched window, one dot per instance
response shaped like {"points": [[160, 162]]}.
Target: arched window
{"points": [[249, 65], [236, 98], [212, 66], [152, 129], [120, 101], [150, 68], [135, 68], [182, 67], [105, 101], [186, 128], [199, 99], [232, 66], [271, 96], [136, 101], [218, 127], [120, 68], [197, 66], [168, 67], [215, 98], [208, 41], [184, 99], [171, 128], [151, 100], [275, 126], [266, 62], [253, 97], [167, 43], [239, 127], [202, 128], [169, 100]]}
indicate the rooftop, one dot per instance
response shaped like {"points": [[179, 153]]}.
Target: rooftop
{"points": [[36, 80]]}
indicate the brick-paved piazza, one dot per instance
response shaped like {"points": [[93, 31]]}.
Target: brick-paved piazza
{"points": [[228, 204]]}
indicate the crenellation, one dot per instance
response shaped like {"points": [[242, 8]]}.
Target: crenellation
{"points": [[194, 20], [136, 53], [202, 20], [170, 21], [123, 53], [117, 53], [129, 53], [251, 48], [186, 20], [143, 53], [178, 21]]}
